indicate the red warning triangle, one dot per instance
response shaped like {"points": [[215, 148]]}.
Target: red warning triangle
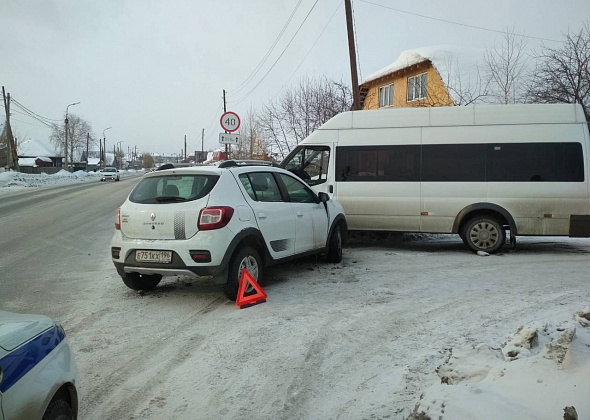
{"points": [[258, 297]]}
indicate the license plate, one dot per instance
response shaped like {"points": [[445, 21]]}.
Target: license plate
{"points": [[153, 256]]}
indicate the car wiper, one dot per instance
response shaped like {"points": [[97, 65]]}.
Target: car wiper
{"points": [[163, 198]]}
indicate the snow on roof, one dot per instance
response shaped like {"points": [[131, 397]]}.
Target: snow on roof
{"points": [[27, 162], [32, 147], [451, 62], [93, 161]]}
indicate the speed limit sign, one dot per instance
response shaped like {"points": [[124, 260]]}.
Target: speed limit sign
{"points": [[230, 121]]}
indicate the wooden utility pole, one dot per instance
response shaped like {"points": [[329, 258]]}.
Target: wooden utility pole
{"points": [[87, 141], [202, 145], [11, 161], [356, 97], [185, 147]]}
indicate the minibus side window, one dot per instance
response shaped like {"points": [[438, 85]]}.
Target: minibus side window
{"points": [[378, 163]]}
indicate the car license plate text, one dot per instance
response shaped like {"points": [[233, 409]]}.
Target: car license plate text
{"points": [[153, 256]]}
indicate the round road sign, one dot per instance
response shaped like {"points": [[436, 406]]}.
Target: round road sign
{"points": [[230, 121]]}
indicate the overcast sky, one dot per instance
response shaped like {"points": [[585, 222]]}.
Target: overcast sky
{"points": [[155, 70]]}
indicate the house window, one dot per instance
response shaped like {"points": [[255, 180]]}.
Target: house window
{"points": [[386, 96], [417, 87]]}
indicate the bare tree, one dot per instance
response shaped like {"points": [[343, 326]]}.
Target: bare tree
{"points": [[464, 88], [78, 128], [562, 74], [147, 161], [505, 66], [300, 110]]}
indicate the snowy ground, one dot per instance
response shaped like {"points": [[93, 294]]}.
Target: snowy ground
{"points": [[11, 181], [397, 329]]}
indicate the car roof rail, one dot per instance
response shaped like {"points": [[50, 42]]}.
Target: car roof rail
{"points": [[246, 162]]}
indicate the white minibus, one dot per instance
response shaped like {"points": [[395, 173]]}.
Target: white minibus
{"points": [[476, 171]]}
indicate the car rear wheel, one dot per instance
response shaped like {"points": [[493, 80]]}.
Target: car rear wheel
{"points": [[334, 254], [58, 410], [137, 281], [484, 233], [245, 257]]}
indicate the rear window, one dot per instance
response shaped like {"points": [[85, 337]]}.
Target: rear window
{"points": [[172, 188]]}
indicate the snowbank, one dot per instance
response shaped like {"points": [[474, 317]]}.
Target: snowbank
{"points": [[536, 373], [14, 181]]}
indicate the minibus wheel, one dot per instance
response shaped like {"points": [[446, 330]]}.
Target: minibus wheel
{"points": [[484, 233]]}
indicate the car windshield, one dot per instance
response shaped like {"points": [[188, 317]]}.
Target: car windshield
{"points": [[172, 188], [109, 170]]}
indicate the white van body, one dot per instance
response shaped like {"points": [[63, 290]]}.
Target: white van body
{"points": [[434, 169]]}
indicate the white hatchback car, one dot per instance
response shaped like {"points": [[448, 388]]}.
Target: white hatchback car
{"points": [[214, 221], [38, 374]]}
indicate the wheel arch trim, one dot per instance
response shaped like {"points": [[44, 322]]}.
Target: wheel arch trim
{"points": [[463, 214]]}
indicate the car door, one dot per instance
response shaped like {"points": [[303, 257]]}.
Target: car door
{"points": [[311, 218], [274, 215]]}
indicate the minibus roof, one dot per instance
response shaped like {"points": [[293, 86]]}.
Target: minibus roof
{"points": [[458, 116]]}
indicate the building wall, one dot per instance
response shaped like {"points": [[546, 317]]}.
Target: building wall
{"points": [[436, 92]]}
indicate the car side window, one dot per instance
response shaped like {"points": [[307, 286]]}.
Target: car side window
{"points": [[248, 186], [298, 192], [265, 187]]}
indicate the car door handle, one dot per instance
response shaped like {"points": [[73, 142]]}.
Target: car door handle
{"points": [[262, 215], [299, 214]]}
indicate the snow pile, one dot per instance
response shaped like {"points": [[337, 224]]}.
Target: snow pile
{"points": [[13, 181], [535, 374]]}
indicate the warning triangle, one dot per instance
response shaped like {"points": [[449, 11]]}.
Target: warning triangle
{"points": [[245, 301]]}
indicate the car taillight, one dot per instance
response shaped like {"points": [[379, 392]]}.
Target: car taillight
{"points": [[118, 219], [214, 217]]}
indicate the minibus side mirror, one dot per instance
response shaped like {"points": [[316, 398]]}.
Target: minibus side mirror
{"points": [[323, 197]]}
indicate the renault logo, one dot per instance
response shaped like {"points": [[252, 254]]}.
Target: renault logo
{"points": [[153, 216]]}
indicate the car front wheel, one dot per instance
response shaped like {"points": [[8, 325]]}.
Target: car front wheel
{"points": [[58, 410], [334, 254], [245, 257]]}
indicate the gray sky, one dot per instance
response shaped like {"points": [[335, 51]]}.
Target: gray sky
{"points": [[155, 70]]}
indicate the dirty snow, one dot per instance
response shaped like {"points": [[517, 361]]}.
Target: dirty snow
{"points": [[370, 338]]}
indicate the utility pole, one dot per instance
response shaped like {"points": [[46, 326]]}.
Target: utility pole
{"points": [[356, 98], [202, 145], [185, 147], [66, 123], [87, 141], [9, 150], [115, 156], [224, 111]]}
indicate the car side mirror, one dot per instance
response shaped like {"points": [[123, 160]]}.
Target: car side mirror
{"points": [[323, 197]]}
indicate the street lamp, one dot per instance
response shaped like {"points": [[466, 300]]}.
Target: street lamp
{"points": [[66, 121], [104, 149]]}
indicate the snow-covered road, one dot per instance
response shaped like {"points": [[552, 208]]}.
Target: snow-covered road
{"points": [[358, 340]]}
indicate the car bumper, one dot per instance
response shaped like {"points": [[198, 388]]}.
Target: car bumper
{"points": [[182, 263]]}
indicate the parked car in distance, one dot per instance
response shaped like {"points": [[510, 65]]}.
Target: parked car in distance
{"points": [[38, 374], [477, 171], [209, 220], [109, 173]]}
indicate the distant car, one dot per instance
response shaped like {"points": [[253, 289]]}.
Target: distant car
{"points": [[208, 220], [38, 374], [109, 174]]}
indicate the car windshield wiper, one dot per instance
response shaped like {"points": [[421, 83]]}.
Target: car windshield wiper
{"points": [[163, 198]]}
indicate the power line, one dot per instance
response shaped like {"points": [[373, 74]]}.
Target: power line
{"points": [[314, 44], [279, 57], [25, 122], [455, 23], [28, 110], [242, 85]]}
